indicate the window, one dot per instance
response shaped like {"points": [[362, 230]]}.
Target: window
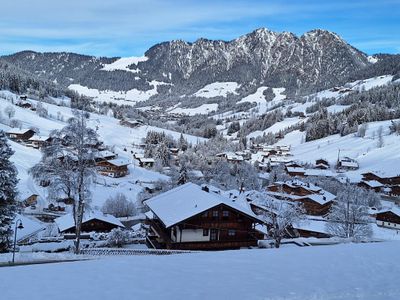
{"points": [[205, 232], [215, 213], [205, 215], [231, 232], [225, 214]]}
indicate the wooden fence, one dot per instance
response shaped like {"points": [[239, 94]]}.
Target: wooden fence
{"points": [[118, 251]]}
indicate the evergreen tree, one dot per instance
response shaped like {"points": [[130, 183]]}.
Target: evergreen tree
{"points": [[8, 191], [183, 144], [183, 176]]}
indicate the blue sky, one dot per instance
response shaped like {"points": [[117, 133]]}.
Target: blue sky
{"points": [[130, 27]]}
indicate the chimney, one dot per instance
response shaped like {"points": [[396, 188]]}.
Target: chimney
{"points": [[205, 188]]}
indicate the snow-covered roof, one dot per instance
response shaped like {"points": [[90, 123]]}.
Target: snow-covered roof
{"points": [[317, 194], [67, 221], [39, 138], [119, 162], [395, 210], [312, 225], [196, 173], [31, 226], [322, 198], [319, 172], [189, 200], [372, 183], [351, 164], [230, 156], [147, 160], [295, 170], [105, 153], [18, 131]]}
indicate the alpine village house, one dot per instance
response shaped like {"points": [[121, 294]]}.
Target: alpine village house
{"points": [[189, 217]]}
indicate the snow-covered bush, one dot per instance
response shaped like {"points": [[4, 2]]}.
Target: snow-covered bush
{"points": [[118, 237]]}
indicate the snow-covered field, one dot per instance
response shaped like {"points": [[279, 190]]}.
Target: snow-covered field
{"points": [[130, 97], [215, 89], [277, 127], [123, 63], [365, 150], [259, 98], [347, 271], [201, 110], [109, 130]]}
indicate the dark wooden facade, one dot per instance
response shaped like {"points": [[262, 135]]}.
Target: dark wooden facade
{"points": [[394, 180], [93, 225], [388, 219], [20, 136], [222, 228], [109, 169]]}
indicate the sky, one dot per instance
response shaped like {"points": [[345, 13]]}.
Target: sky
{"points": [[130, 27]]}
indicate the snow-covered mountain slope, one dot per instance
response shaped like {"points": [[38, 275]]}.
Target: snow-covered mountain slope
{"points": [[130, 97], [277, 127], [110, 132], [123, 63], [206, 68], [216, 89], [366, 150], [203, 109]]}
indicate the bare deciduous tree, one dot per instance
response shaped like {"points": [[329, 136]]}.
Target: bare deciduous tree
{"points": [[68, 163], [349, 217]]}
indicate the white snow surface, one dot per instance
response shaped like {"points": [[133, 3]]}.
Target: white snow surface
{"points": [[123, 63], [215, 89], [287, 122], [203, 109], [130, 97], [346, 271], [260, 100]]}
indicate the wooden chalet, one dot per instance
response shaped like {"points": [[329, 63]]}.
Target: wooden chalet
{"points": [[93, 221], [295, 170], [315, 200], [18, 135], [322, 164], [230, 157], [145, 162], [386, 180], [371, 185], [389, 218], [347, 163], [131, 123], [24, 105], [39, 142], [188, 217], [311, 227], [113, 168]]}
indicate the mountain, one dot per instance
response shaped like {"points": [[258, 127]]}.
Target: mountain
{"points": [[318, 59], [214, 75]]}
